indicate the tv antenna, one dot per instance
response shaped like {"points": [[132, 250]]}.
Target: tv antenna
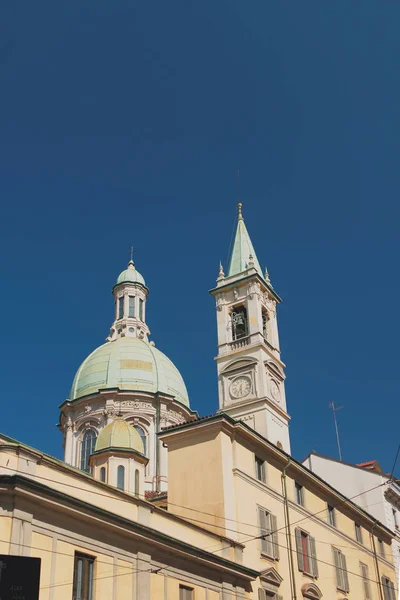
{"points": [[334, 410]]}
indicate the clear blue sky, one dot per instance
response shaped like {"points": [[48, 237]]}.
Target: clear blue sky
{"points": [[125, 122]]}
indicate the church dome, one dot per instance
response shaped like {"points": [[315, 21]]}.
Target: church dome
{"points": [[119, 434], [128, 363], [130, 275]]}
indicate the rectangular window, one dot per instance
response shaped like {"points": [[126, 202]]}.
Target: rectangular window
{"points": [[388, 589], [140, 309], [299, 494], [365, 578], [120, 307], [260, 469], [395, 518], [186, 593], [83, 577], [131, 312], [381, 548], [358, 531], [306, 553], [268, 534], [331, 516], [342, 580]]}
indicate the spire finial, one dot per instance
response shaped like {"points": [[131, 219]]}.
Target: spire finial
{"points": [[251, 261], [240, 216], [221, 273], [131, 253]]}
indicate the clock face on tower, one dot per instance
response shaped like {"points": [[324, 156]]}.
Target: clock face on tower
{"points": [[240, 387]]}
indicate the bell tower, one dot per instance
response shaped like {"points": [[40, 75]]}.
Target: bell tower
{"points": [[251, 378]]}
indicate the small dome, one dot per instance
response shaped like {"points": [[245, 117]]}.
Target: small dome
{"points": [[128, 363], [119, 434], [130, 275]]}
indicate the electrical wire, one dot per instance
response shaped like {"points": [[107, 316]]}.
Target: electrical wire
{"points": [[196, 521], [226, 547]]}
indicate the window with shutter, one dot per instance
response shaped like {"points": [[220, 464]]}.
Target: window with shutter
{"points": [[268, 531], [365, 578], [358, 531], [389, 592], [342, 581], [306, 553], [299, 493], [260, 469]]}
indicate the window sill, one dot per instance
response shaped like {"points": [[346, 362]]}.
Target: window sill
{"points": [[342, 590], [310, 575], [268, 557]]}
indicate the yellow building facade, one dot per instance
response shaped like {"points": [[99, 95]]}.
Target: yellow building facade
{"points": [[304, 537]]}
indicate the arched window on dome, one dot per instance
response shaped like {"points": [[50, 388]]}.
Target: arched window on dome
{"points": [[121, 477], [87, 448], [142, 434]]}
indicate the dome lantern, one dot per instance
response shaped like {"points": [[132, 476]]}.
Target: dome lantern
{"points": [[130, 295]]}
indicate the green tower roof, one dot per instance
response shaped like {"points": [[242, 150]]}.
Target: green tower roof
{"points": [[242, 250]]}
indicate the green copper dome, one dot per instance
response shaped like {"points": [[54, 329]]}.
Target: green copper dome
{"points": [[128, 363], [119, 434], [130, 275]]}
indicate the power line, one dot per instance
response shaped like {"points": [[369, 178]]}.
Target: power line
{"points": [[195, 510]]}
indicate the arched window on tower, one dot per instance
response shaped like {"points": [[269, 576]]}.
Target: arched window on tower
{"points": [[103, 474], [87, 448], [143, 436], [239, 323], [121, 477]]}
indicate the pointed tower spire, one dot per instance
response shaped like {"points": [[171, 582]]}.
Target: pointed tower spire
{"points": [[242, 249]]}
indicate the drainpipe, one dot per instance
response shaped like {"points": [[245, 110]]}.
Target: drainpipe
{"points": [[288, 535], [376, 560]]}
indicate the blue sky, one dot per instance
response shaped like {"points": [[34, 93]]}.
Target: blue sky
{"points": [[124, 123]]}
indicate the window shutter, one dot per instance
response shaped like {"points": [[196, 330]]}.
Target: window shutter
{"points": [[364, 573], [263, 530], [262, 594], [313, 555], [339, 572], [345, 576], [385, 588], [274, 536], [300, 558], [392, 590]]}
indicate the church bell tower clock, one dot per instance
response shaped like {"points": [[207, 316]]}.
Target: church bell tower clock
{"points": [[251, 378]]}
